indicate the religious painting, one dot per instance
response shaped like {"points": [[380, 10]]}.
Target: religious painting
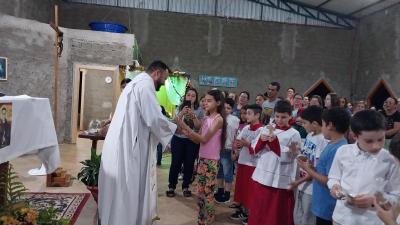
{"points": [[5, 124], [3, 68]]}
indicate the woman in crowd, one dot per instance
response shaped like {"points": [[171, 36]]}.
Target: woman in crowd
{"points": [[184, 151]]}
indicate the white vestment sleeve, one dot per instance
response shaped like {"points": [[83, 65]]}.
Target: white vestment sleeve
{"points": [[160, 127]]}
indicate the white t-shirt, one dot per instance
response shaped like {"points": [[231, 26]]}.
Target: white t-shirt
{"points": [[232, 125], [312, 149], [244, 156]]}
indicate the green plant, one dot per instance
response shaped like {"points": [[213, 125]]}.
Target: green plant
{"points": [[89, 173], [13, 190], [136, 53], [47, 217]]}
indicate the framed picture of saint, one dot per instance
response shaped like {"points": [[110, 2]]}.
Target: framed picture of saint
{"points": [[5, 124], [3, 68]]}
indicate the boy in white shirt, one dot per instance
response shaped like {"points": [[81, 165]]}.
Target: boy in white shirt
{"points": [[388, 214], [361, 170], [314, 144], [225, 171]]}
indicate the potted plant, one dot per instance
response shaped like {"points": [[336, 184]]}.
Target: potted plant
{"points": [[89, 174]]}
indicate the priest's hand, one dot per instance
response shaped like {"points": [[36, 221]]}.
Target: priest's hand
{"points": [[181, 124], [176, 119]]}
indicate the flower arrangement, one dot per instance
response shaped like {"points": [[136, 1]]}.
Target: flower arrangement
{"points": [[15, 211], [29, 216]]}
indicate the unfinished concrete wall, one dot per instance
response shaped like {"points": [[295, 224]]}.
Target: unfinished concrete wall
{"points": [[29, 52], [379, 51], [28, 45], [40, 10], [255, 52]]}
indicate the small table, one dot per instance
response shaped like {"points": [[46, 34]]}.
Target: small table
{"points": [[94, 137]]}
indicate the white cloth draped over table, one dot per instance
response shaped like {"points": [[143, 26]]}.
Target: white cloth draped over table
{"points": [[128, 181], [32, 131]]}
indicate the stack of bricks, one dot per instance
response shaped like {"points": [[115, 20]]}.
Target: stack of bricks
{"points": [[59, 178]]}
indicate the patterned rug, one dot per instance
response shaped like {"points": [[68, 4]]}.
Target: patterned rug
{"points": [[68, 205]]}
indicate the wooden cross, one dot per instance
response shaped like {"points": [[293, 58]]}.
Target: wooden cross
{"points": [[58, 46]]}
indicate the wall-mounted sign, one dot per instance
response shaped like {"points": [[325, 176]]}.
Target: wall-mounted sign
{"points": [[205, 80]]}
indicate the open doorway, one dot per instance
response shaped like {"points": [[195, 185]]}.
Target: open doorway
{"points": [[379, 94], [95, 93], [321, 88]]}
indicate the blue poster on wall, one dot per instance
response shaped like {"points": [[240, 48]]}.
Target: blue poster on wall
{"points": [[217, 81]]}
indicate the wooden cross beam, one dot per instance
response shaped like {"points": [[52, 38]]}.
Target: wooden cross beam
{"points": [[56, 54]]}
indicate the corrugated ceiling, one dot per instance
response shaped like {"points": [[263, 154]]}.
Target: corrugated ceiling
{"points": [[355, 8], [327, 13]]}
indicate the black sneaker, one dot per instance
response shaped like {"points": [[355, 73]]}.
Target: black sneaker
{"points": [[238, 215], [170, 193], [244, 222], [219, 197], [227, 197], [187, 193]]}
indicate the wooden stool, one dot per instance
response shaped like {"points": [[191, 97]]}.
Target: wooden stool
{"points": [[59, 178]]}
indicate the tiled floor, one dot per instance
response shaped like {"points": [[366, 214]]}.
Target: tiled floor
{"points": [[178, 210]]}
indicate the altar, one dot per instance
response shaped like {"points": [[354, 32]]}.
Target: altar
{"points": [[26, 127]]}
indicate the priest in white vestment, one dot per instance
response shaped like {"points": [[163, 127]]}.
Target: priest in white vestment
{"points": [[127, 180]]}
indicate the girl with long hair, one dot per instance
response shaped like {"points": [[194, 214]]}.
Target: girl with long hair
{"points": [[212, 138]]}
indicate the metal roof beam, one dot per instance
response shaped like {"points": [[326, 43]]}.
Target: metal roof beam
{"points": [[306, 11]]}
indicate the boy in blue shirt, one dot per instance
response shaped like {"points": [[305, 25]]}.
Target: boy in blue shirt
{"points": [[335, 123]]}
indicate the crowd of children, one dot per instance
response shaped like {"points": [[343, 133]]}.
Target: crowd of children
{"points": [[290, 159]]}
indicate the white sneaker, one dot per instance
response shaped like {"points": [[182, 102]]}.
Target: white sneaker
{"points": [[38, 172]]}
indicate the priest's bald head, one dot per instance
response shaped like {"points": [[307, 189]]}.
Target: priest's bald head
{"points": [[159, 71]]}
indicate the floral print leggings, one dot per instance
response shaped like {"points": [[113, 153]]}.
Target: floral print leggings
{"points": [[207, 176]]}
